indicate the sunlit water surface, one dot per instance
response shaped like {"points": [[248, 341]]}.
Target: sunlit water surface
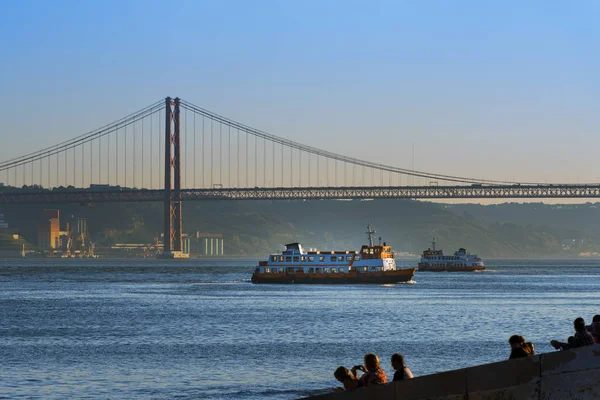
{"points": [[199, 329]]}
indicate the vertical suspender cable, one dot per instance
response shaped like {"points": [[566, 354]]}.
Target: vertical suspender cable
{"points": [[125, 157], [238, 158], [134, 151], [229, 157], [195, 186], [160, 164], [151, 152], [142, 185], [211, 153], [220, 154]]}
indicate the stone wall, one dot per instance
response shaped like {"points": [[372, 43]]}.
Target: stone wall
{"points": [[572, 374]]}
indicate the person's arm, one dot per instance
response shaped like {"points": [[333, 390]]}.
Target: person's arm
{"points": [[355, 369], [560, 345]]}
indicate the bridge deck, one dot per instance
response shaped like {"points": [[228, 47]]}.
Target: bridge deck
{"points": [[12, 196]]}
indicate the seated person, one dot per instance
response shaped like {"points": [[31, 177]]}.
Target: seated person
{"points": [[520, 348], [402, 371], [581, 338], [373, 374], [594, 329], [350, 381]]}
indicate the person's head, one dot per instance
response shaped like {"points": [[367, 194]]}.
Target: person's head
{"points": [[516, 341], [398, 361], [579, 325], [371, 361], [596, 318], [341, 374]]}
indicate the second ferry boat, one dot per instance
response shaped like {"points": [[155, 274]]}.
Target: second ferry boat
{"points": [[372, 264], [435, 260]]}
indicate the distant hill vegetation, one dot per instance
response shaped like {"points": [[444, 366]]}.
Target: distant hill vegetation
{"points": [[259, 227]]}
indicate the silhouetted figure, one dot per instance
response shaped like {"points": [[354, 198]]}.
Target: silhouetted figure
{"points": [[350, 381], [594, 329], [373, 374], [581, 338], [402, 371], [520, 348]]}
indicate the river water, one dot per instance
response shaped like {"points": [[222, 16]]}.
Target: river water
{"points": [[198, 329]]}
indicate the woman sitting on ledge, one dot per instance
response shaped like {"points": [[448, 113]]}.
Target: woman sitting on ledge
{"points": [[373, 374]]}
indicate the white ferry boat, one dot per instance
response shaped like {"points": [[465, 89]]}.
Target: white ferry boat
{"points": [[435, 260], [372, 264]]}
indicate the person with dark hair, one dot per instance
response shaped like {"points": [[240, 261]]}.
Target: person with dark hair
{"points": [[520, 348], [581, 338], [402, 371], [373, 374], [349, 380], [594, 328]]}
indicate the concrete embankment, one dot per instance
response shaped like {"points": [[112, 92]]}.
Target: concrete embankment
{"points": [[571, 374]]}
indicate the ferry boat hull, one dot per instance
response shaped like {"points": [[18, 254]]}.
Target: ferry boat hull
{"points": [[352, 277], [426, 267]]}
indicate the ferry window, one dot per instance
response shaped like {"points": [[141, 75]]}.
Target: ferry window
{"points": [[281, 270], [332, 258], [267, 270], [288, 259], [341, 258], [333, 270], [348, 258], [372, 268], [322, 259], [311, 270], [311, 258], [341, 270], [303, 258], [365, 269], [356, 258], [318, 270], [326, 270], [280, 258], [274, 258], [370, 251], [296, 258]]}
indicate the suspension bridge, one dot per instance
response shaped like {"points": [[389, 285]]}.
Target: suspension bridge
{"points": [[174, 151]]}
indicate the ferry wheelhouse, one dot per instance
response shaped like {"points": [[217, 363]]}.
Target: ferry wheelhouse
{"points": [[371, 264], [461, 260]]}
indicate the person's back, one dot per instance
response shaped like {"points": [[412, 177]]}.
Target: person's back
{"points": [[373, 375], [349, 381], [581, 338], [595, 329], [402, 371]]}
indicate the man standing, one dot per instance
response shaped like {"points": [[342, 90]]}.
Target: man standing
{"points": [[581, 338]]}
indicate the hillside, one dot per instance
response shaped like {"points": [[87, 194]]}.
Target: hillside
{"points": [[256, 228]]}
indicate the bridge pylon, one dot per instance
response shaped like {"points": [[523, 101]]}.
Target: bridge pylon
{"points": [[172, 212]]}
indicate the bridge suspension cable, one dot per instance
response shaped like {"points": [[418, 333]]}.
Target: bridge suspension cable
{"points": [[335, 156]]}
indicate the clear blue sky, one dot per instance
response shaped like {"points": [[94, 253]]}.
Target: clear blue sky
{"points": [[508, 90]]}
